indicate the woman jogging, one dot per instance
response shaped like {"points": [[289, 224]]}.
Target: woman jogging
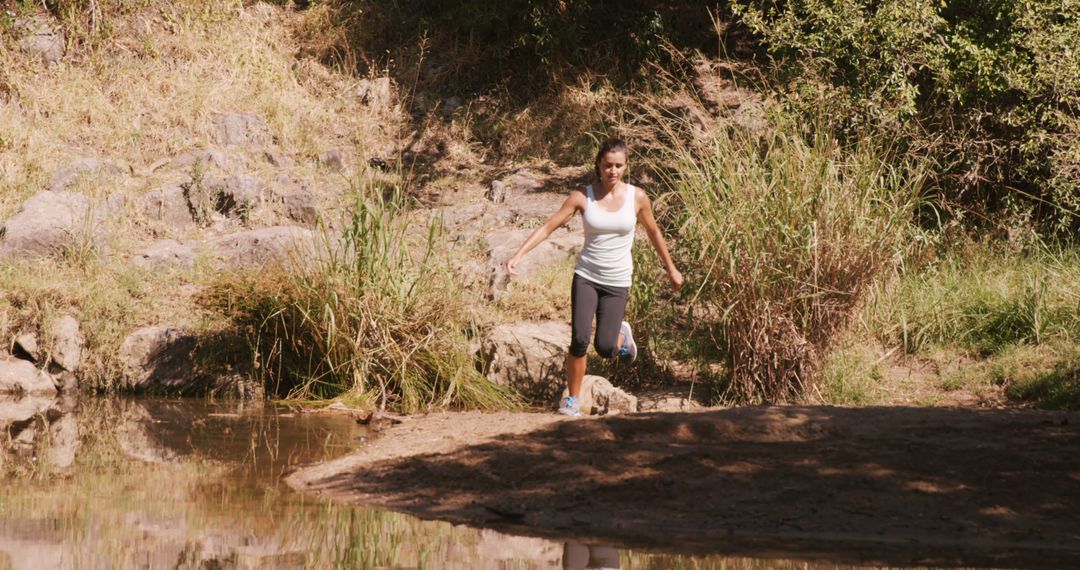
{"points": [[610, 209]]}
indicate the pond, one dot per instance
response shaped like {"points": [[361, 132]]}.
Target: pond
{"points": [[141, 483]]}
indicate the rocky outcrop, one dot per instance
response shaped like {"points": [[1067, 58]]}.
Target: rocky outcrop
{"points": [[599, 397], [561, 245], [40, 39], [528, 357], [241, 129], [25, 347], [50, 223], [21, 377], [67, 175], [67, 342], [169, 206], [159, 359], [166, 253], [301, 205], [257, 247]]}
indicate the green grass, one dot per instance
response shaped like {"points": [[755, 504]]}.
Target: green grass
{"points": [[1046, 376], [981, 301], [374, 316]]}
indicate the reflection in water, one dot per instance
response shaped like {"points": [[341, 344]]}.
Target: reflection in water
{"points": [[183, 484]]}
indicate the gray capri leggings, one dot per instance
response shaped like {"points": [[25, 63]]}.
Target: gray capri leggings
{"points": [[609, 305]]}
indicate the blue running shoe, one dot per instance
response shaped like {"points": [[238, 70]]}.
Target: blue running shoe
{"points": [[628, 350], [570, 407]]}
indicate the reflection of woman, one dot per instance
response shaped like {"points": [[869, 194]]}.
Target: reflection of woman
{"points": [[578, 556], [610, 209]]}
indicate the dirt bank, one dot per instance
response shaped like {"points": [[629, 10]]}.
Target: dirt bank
{"points": [[871, 485]]}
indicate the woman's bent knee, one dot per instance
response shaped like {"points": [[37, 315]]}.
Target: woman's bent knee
{"points": [[578, 348]]}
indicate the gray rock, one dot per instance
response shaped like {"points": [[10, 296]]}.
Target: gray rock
{"points": [[241, 128], [49, 223], [166, 253], [497, 192], [376, 93], [159, 359], [278, 159], [21, 377], [450, 106], [301, 205], [169, 206], [238, 195], [67, 175], [599, 398], [25, 347], [333, 160], [67, 343], [524, 180], [41, 40], [15, 409], [258, 247], [203, 159], [562, 244], [528, 357]]}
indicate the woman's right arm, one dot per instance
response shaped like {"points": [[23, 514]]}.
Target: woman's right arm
{"points": [[573, 203]]}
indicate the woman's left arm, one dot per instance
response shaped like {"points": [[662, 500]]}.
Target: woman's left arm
{"points": [[646, 219]]}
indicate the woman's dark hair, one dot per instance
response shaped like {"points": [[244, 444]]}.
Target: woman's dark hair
{"points": [[610, 145]]}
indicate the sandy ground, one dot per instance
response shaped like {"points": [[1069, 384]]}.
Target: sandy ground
{"points": [[896, 486]]}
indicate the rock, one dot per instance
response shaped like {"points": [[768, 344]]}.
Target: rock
{"points": [[524, 180], [201, 159], [257, 247], [84, 165], [25, 347], [667, 403], [21, 377], [63, 441], [49, 223], [169, 206], [333, 160], [301, 205], [375, 93], [599, 397], [159, 359], [237, 195], [38, 38], [528, 357], [559, 246], [166, 253], [16, 409], [67, 343], [450, 105], [497, 192], [241, 128], [278, 159]]}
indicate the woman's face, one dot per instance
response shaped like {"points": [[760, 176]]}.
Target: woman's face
{"points": [[612, 167]]}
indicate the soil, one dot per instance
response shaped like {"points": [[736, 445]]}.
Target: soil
{"points": [[894, 486]]}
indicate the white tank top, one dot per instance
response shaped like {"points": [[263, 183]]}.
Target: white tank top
{"points": [[606, 257]]}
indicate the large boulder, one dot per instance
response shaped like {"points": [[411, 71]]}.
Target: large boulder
{"points": [[166, 253], [529, 357], [241, 128], [67, 175], [599, 397], [561, 245], [50, 223], [41, 40], [67, 343], [170, 207], [21, 377], [258, 247], [160, 359], [301, 205]]}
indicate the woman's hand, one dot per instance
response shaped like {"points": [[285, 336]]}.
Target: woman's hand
{"points": [[675, 278], [511, 265]]}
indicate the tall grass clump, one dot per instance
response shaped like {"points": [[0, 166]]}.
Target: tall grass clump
{"points": [[373, 317], [789, 228], [981, 300]]}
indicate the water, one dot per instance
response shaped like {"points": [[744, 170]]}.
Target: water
{"points": [[191, 484]]}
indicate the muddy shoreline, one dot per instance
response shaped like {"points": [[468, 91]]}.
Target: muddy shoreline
{"points": [[897, 486]]}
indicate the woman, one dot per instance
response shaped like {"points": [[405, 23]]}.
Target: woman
{"points": [[610, 209]]}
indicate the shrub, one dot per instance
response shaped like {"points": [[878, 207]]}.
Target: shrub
{"points": [[374, 316], [990, 87], [788, 230]]}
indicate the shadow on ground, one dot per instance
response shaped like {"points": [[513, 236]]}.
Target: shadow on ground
{"points": [[872, 485]]}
